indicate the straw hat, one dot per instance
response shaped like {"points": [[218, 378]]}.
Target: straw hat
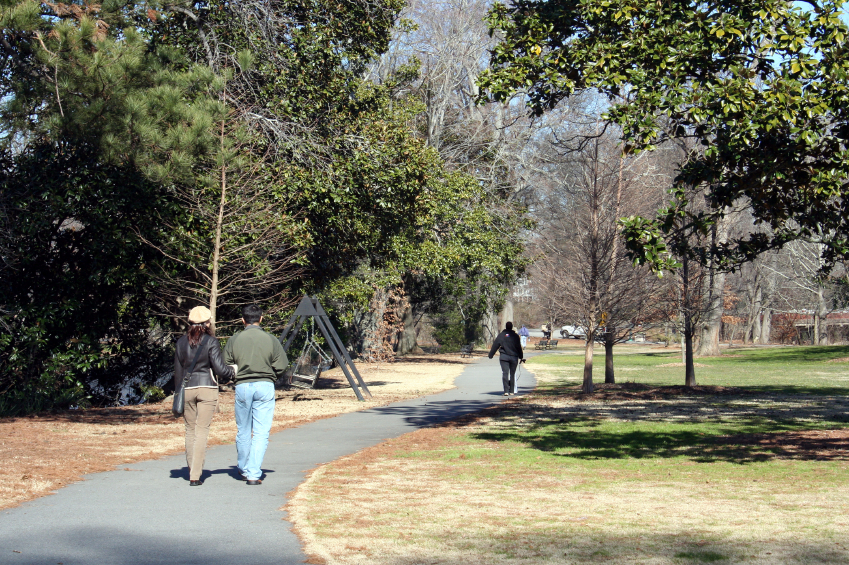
{"points": [[199, 315]]}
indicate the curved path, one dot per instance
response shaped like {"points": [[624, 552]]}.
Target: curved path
{"points": [[146, 514]]}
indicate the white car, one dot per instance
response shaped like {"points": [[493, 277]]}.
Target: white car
{"points": [[575, 332]]}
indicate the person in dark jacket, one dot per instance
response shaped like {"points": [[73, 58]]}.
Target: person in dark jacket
{"points": [[509, 349], [201, 392]]}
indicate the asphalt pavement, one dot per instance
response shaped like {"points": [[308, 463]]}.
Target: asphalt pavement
{"points": [[147, 514]]}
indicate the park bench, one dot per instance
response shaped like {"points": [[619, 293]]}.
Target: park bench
{"points": [[541, 344], [466, 350], [552, 344]]}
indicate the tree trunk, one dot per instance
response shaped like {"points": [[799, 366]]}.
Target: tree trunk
{"points": [[681, 315], [816, 329], [506, 313], [689, 368], [709, 338], [822, 317], [592, 311], [407, 336], [754, 329], [608, 359], [766, 326], [588, 364], [491, 327], [216, 251], [363, 329]]}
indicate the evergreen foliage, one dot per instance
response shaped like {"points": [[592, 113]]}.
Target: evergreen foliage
{"points": [[760, 85], [154, 153], [77, 294]]}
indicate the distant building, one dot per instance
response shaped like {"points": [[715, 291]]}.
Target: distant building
{"points": [[801, 322]]}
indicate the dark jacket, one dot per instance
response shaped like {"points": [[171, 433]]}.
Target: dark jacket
{"points": [[210, 358], [507, 343]]}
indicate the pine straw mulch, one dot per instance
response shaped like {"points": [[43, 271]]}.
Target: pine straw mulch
{"points": [[44, 452]]}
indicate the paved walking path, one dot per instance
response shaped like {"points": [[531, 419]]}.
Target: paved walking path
{"points": [[146, 513]]}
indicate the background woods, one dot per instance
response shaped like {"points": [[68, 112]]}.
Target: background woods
{"points": [[411, 164]]}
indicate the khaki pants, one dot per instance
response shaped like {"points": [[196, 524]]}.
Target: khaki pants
{"points": [[200, 407]]}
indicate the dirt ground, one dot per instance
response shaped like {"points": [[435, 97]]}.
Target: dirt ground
{"points": [[44, 452]]}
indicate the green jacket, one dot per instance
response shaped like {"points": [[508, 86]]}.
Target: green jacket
{"points": [[258, 355]]}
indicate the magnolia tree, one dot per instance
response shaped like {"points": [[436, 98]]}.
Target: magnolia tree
{"points": [[760, 85]]}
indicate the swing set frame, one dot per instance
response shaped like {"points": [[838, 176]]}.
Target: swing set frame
{"points": [[311, 308]]}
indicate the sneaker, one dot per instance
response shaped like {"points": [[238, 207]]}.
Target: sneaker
{"points": [[506, 394], [254, 482]]}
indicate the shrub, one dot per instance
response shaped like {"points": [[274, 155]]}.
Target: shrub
{"points": [[152, 393]]}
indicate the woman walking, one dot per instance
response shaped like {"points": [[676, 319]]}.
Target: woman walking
{"points": [[201, 391]]}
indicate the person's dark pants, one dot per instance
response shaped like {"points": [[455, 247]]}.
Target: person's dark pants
{"points": [[508, 372]]}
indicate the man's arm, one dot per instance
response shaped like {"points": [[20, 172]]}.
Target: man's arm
{"points": [[279, 360], [228, 351]]}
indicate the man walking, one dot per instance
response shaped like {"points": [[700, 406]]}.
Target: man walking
{"points": [[510, 353], [523, 336], [260, 361]]}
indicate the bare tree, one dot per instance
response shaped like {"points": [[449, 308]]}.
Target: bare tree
{"points": [[582, 260], [714, 290], [758, 282]]}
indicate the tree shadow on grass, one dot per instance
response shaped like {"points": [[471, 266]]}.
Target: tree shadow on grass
{"points": [[584, 543], [642, 391], [794, 390], [782, 442], [732, 429]]}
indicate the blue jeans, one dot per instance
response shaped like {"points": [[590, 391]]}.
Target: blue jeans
{"points": [[254, 415]]}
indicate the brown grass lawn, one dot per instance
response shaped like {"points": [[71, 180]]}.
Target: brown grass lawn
{"points": [[43, 452], [634, 474]]}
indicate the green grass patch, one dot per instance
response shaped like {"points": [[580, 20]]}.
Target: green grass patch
{"points": [[754, 472], [784, 370]]}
